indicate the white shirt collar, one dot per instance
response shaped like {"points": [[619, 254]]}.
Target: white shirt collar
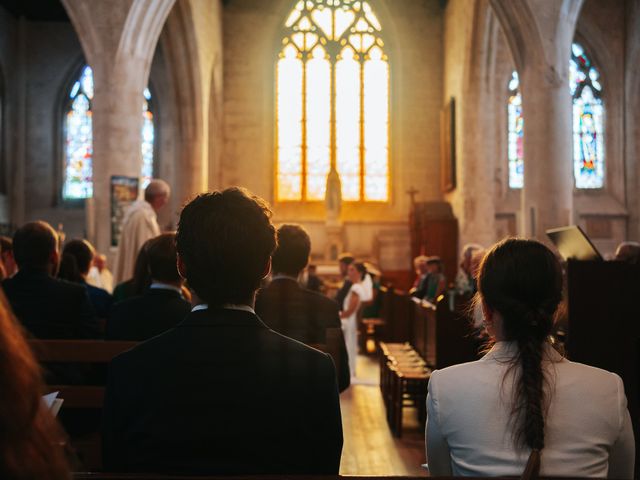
{"points": [[227, 306], [164, 286]]}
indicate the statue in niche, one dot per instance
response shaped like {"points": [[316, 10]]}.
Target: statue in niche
{"points": [[333, 197]]}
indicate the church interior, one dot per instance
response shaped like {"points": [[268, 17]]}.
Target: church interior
{"points": [[389, 129]]}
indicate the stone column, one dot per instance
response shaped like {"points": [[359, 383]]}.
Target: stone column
{"points": [[118, 38], [547, 196], [540, 33]]}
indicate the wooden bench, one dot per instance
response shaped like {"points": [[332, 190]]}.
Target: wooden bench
{"points": [[81, 352]]}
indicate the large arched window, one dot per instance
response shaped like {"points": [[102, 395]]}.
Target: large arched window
{"points": [[332, 102], [78, 139], [515, 124], [588, 121]]}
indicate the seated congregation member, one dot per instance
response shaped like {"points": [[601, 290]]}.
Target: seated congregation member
{"points": [[77, 258], [314, 282], [523, 404], [221, 393], [141, 279], [288, 308], [47, 307], [161, 306], [436, 283], [419, 288], [465, 281], [32, 442], [628, 252]]}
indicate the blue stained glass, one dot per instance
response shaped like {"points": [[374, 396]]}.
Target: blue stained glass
{"points": [[515, 123], [588, 121], [78, 168]]}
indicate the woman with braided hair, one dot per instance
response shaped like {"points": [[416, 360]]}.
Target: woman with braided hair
{"points": [[523, 407]]}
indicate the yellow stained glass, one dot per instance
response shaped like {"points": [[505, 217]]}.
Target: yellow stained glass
{"points": [[348, 124], [376, 125], [332, 41], [289, 125], [322, 17], [318, 123], [343, 20]]}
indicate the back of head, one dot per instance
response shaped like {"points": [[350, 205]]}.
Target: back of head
{"points": [[82, 251], [361, 268], [30, 444], [292, 253], [628, 252], [156, 188], [225, 241], [522, 281], [141, 274], [33, 244], [161, 255]]}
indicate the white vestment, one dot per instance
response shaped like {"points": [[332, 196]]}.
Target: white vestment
{"points": [[101, 279], [140, 224]]}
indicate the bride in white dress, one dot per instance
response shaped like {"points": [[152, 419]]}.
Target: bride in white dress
{"points": [[349, 313]]}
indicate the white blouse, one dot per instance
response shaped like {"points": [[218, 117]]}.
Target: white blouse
{"points": [[588, 431]]}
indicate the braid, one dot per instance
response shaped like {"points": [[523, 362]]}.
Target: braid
{"points": [[522, 280]]}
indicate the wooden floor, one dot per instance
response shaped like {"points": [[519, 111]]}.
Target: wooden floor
{"points": [[369, 447]]}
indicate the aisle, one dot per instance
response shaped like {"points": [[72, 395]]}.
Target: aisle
{"points": [[369, 447]]}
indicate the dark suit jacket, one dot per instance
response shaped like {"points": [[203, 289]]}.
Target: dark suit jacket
{"points": [[101, 300], [303, 315], [50, 308], [342, 293], [143, 317], [222, 394]]}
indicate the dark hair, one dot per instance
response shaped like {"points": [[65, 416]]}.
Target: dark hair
{"points": [[292, 254], [31, 440], [361, 269], [161, 254], [225, 240], [522, 280], [346, 258], [69, 270], [33, 244], [82, 251], [141, 275]]}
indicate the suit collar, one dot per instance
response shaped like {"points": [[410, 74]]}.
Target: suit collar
{"points": [[216, 317]]}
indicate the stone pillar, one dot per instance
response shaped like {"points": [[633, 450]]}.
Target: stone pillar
{"points": [[118, 38], [547, 196], [540, 33]]}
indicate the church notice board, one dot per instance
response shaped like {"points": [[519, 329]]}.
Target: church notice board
{"points": [[124, 191], [604, 324]]}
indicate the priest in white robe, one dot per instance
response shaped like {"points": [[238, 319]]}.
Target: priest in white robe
{"points": [[140, 224]]}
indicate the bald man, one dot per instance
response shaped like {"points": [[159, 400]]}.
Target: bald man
{"points": [[140, 224]]}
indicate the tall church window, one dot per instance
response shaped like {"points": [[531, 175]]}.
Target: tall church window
{"points": [[588, 121], [515, 133], [78, 138], [332, 102]]}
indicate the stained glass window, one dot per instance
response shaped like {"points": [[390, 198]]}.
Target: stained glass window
{"points": [[78, 152], [588, 121], [515, 133], [332, 102]]}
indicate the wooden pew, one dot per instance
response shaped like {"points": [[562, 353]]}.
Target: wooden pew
{"points": [[604, 327], [142, 476], [82, 352]]}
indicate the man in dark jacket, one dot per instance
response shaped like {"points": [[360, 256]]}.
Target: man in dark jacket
{"points": [[221, 393], [292, 310], [47, 307], [162, 305]]}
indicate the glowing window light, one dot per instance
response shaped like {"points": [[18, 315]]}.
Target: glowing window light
{"points": [[515, 126], [332, 103]]}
